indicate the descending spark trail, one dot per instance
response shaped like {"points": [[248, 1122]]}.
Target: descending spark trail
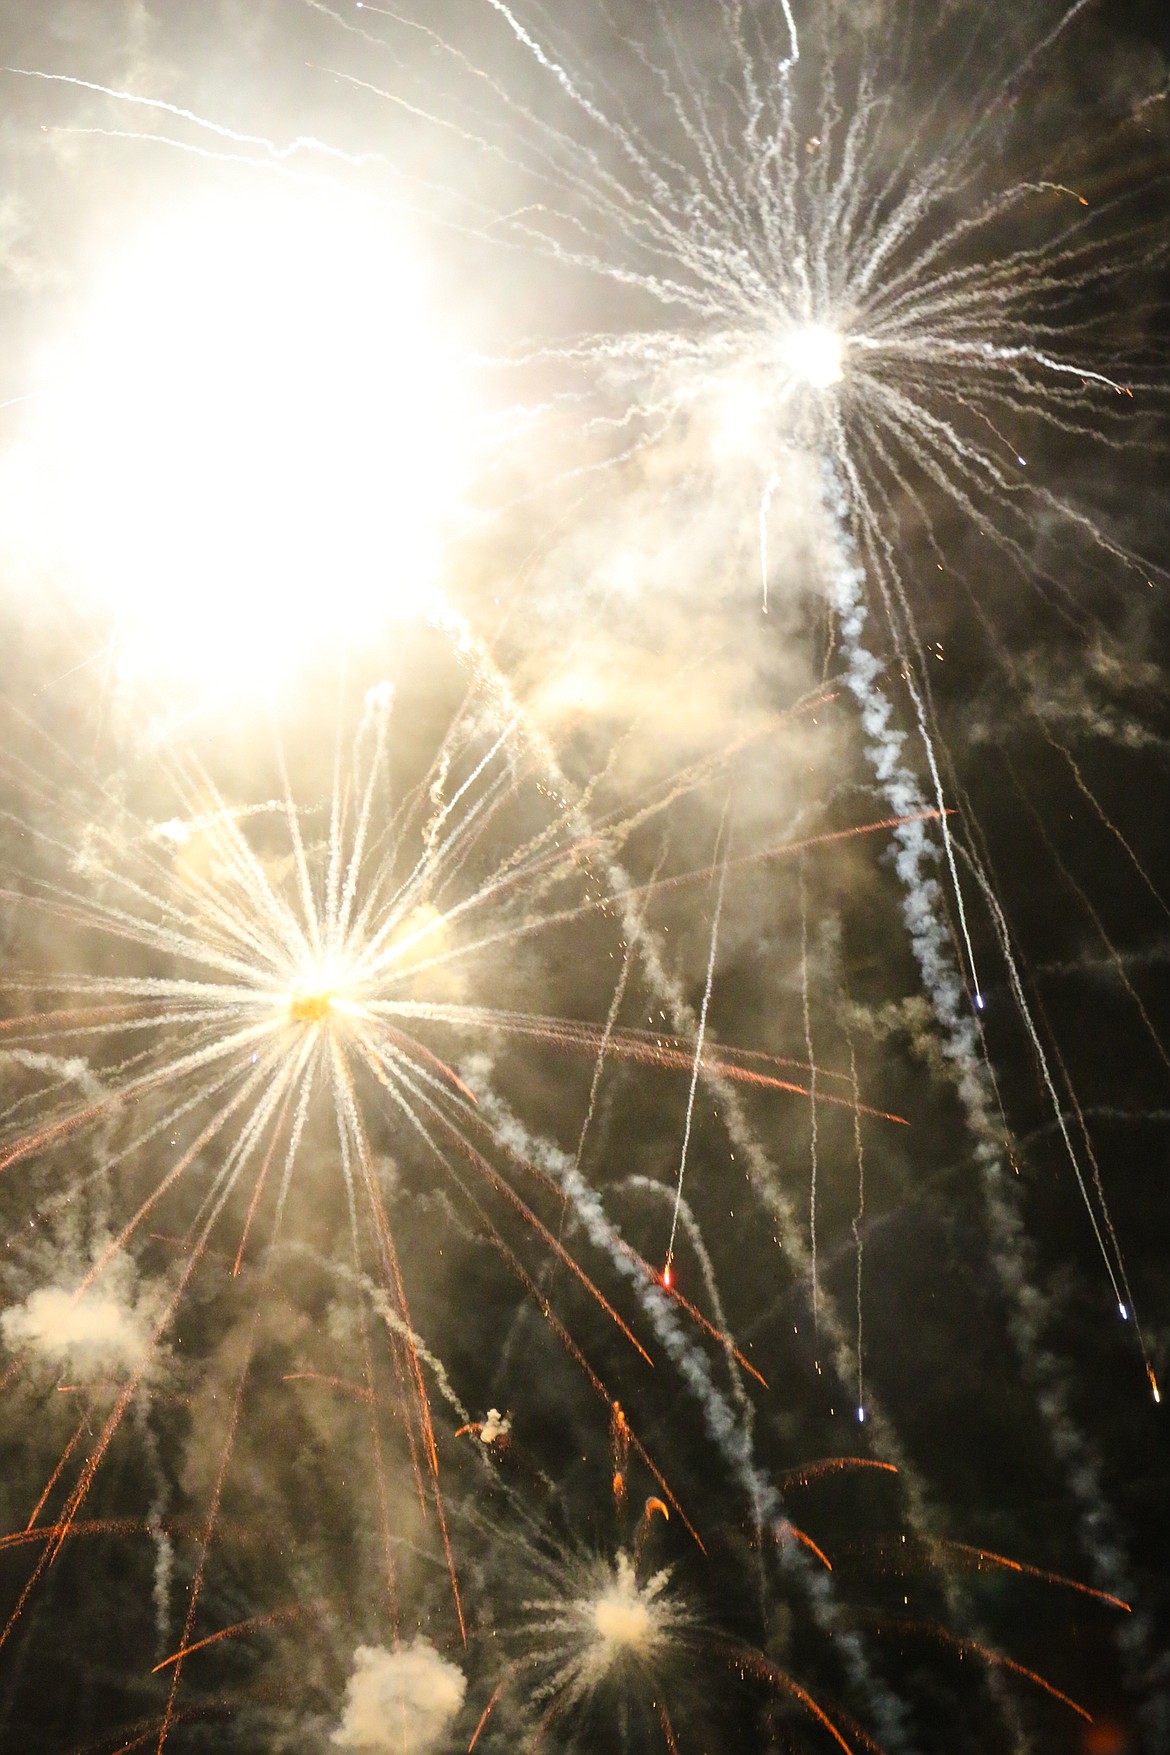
{"points": [[699, 1039]]}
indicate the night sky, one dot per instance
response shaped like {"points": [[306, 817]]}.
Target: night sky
{"points": [[521, 1222]]}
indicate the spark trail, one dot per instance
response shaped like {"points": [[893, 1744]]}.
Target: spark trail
{"points": [[885, 329], [259, 981], [861, 316]]}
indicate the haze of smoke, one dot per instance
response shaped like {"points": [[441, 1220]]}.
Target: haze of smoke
{"points": [[89, 1335], [402, 1700]]}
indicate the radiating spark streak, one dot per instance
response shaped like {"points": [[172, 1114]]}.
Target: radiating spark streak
{"points": [[571, 1347], [827, 1465], [509, 1194], [716, 1334], [664, 1051], [858, 1223], [394, 1321], [995, 1658], [71, 1446], [198, 1060], [303, 143], [269, 1620], [1102, 816], [262, 1178], [85, 1479], [615, 898], [611, 1018], [786, 1531], [507, 1677], [984, 1557], [423, 1404], [415, 1050], [359, 1391], [702, 1030], [351, 1131], [176, 1661], [183, 1163], [812, 1097], [667, 1729], [344, 1140], [103, 1526], [1046, 1076], [758, 1665], [270, 167], [1099, 925], [1130, 1309]]}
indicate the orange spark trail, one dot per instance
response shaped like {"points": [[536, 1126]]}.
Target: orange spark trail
{"points": [[113, 1421], [208, 1133], [383, 1225], [619, 1432], [504, 1188], [359, 1391], [786, 1530], [208, 1534], [575, 1353], [610, 900], [642, 1045], [415, 1050], [716, 1333], [56, 1474], [812, 1471], [262, 1178], [496, 1692], [984, 1556], [989, 1656], [768, 1672], [349, 1116], [268, 1620], [651, 1506], [50, 1532]]}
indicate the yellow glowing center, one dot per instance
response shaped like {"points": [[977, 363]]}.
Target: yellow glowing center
{"points": [[310, 1005]]}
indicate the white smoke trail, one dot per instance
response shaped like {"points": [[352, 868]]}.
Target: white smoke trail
{"points": [[923, 911], [726, 1429]]}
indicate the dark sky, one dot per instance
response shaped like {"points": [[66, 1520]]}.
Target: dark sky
{"points": [[452, 349]]}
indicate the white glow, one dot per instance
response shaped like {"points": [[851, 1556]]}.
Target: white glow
{"points": [[740, 411], [250, 444], [816, 355]]}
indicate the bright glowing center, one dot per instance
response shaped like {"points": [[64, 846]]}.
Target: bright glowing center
{"points": [[310, 1005], [816, 355], [621, 1614], [318, 995], [249, 447]]}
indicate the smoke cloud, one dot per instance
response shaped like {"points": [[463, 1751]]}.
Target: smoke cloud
{"points": [[399, 1700]]}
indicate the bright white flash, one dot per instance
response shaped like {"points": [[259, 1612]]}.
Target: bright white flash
{"points": [[249, 445], [816, 355]]}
